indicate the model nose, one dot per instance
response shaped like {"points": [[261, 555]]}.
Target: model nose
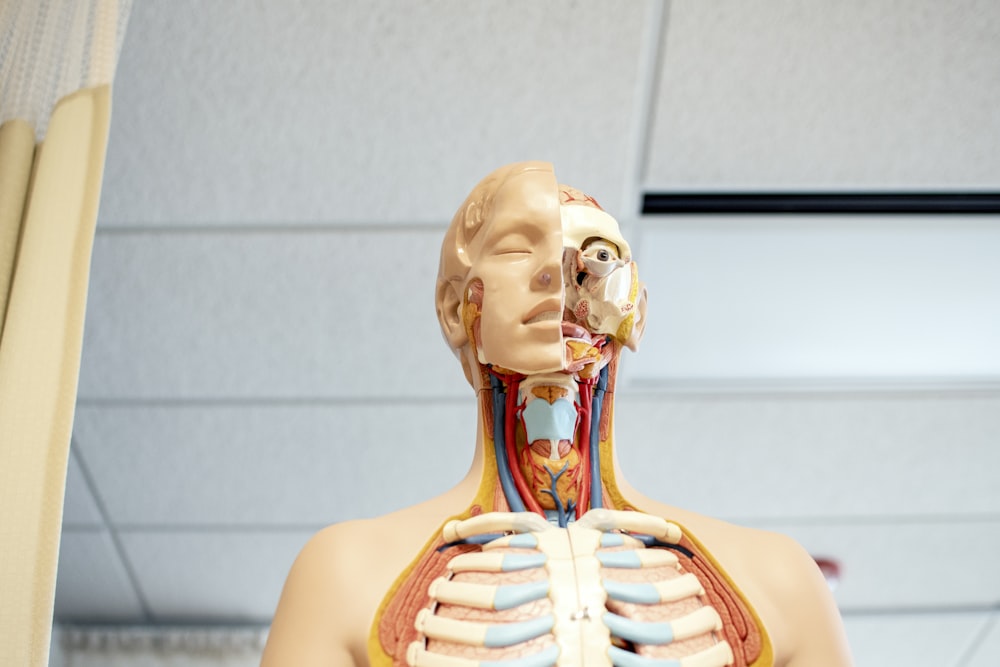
{"points": [[548, 277], [546, 280]]}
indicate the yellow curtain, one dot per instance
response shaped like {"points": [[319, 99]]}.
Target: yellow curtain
{"points": [[56, 62]]}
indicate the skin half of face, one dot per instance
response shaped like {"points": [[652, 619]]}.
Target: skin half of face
{"points": [[518, 259]]}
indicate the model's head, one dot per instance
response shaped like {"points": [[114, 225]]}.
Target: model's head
{"points": [[528, 265]]}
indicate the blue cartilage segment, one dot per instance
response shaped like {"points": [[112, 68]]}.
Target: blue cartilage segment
{"points": [[508, 597], [549, 421], [508, 634], [622, 658], [546, 658], [621, 559], [515, 562], [637, 632], [480, 539], [523, 541], [637, 593], [612, 540]]}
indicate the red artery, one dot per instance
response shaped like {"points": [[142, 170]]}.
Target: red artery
{"points": [[510, 420], [583, 446], [512, 414]]}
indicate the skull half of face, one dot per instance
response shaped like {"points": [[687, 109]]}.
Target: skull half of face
{"points": [[601, 287]]}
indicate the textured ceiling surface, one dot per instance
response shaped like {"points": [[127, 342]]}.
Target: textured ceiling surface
{"points": [[262, 358]]}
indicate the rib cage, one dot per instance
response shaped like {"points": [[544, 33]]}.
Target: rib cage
{"points": [[590, 595]]}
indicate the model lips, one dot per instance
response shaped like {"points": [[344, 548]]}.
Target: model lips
{"points": [[546, 311], [551, 310], [545, 316]]}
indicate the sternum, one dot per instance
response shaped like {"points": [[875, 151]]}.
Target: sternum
{"points": [[578, 598]]}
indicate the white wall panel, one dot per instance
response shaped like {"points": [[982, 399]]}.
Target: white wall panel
{"points": [[911, 639], [787, 94], [273, 465], [266, 314], [819, 299], [315, 111], [815, 457], [895, 566]]}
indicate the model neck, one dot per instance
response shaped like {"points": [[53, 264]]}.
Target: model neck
{"points": [[549, 437]]}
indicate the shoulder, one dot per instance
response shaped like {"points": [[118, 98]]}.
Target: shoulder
{"points": [[311, 626], [782, 583], [337, 583], [805, 617], [789, 593]]}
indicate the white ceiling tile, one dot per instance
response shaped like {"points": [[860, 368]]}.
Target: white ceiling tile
{"points": [[92, 585], [212, 576], [814, 456], [986, 651], [820, 299], [266, 465], [266, 314], [355, 112], [766, 94], [910, 639], [898, 566], [79, 508]]}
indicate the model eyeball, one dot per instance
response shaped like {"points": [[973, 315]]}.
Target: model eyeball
{"points": [[600, 258]]}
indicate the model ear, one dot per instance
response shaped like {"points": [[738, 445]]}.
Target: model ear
{"points": [[449, 312], [640, 321]]}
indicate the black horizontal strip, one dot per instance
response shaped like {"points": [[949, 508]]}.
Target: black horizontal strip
{"points": [[748, 203]]}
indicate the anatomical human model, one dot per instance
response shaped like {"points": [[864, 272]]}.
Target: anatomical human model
{"points": [[543, 556]]}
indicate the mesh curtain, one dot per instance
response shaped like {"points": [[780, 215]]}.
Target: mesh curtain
{"points": [[57, 60]]}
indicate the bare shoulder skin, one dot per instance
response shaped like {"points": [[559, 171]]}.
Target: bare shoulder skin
{"points": [[780, 579], [338, 580]]}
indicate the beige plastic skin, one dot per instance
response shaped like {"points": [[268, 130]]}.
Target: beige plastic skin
{"points": [[340, 577], [40, 360]]}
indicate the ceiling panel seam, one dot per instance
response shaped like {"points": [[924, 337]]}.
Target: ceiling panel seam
{"points": [[969, 652], [269, 401], [647, 81], [272, 227], [112, 532], [216, 528], [950, 519], [700, 391], [878, 385], [923, 610], [869, 520]]}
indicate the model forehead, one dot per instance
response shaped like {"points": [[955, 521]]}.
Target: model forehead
{"points": [[580, 223], [528, 192]]}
